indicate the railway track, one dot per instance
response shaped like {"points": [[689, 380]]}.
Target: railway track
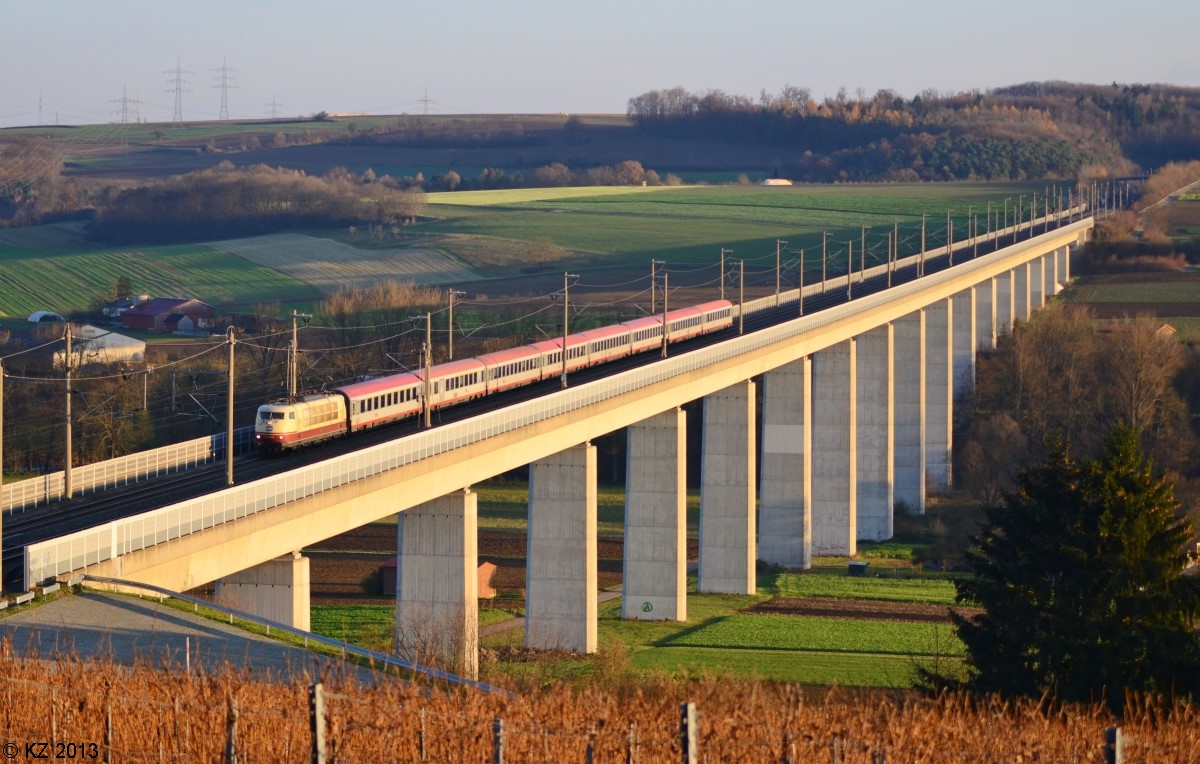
{"points": [[57, 519]]}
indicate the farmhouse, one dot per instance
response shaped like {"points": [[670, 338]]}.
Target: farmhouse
{"points": [[170, 314], [115, 308]]}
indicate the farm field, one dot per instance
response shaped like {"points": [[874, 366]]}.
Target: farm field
{"points": [[37, 279], [818, 627], [477, 236]]}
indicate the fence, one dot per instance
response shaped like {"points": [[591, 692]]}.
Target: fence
{"points": [[122, 470], [106, 712], [45, 560]]}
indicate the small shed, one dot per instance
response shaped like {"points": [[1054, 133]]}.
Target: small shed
{"points": [[486, 571], [95, 345], [44, 315]]}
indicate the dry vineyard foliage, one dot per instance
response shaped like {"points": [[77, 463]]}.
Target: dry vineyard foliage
{"points": [[169, 715]]}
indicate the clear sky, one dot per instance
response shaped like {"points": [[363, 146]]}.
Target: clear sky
{"points": [[76, 57]]}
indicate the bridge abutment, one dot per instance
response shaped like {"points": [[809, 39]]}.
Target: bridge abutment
{"points": [[727, 492], [277, 590], [785, 479], [876, 360], [835, 464], [560, 574], [437, 584], [654, 580]]}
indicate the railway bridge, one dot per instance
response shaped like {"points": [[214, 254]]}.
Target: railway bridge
{"points": [[857, 418]]}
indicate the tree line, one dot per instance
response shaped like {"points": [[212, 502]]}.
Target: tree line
{"points": [[226, 201], [1026, 131]]}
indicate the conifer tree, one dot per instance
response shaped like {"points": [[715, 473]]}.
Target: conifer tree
{"points": [[1080, 575]]}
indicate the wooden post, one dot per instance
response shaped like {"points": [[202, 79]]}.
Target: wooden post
{"points": [[108, 731], [316, 718], [689, 733], [231, 733], [497, 741], [632, 745], [1114, 746], [421, 736]]}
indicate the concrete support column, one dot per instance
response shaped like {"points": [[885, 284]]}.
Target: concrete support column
{"points": [[875, 440], [655, 569], [437, 583], [1037, 283], [727, 495], [908, 372], [277, 590], [1021, 293], [985, 315], [1065, 270], [939, 387], [835, 463], [963, 331], [1050, 275], [1005, 288], [785, 479], [560, 573]]}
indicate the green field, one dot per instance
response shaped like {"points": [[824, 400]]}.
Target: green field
{"points": [[1147, 287], [626, 227], [505, 507], [65, 281]]}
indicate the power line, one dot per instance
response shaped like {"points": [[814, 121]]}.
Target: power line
{"points": [[425, 103], [273, 107], [224, 80], [123, 103], [177, 86]]}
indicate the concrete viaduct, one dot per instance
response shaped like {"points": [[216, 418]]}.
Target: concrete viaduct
{"points": [[857, 418]]}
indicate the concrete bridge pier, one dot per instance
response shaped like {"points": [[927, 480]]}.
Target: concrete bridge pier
{"points": [[939, 391], [655, 569], [909, 416], [835, 463], [785, 479], [1021, 293], [1006, 284], [727, 491], [1063, 256], [1050, 275], [437, 584], [1037, 284], [560, 573], [875, 408], [277, 590], [964, 330], [985, 315]]}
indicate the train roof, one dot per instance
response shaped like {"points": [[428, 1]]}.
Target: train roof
{"points": [[713, 305], [509, 355], [451, 368], [381, 384], [603, 332]]}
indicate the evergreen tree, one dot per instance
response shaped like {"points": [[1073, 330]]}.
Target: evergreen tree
{"points": [[1079, 572]]}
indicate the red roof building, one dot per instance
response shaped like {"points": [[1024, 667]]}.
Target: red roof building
{"points": [[170, 314]]}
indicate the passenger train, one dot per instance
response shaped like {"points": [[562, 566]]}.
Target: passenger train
{"points": [[292, 423]]}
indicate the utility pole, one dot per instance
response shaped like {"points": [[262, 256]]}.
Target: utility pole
{"points": [[666, 326], [862, 254], [778, 245], [654, 283], [293, 353], [567, 317], [450, 323], [68, 485], [800, 292], [824, 260], [723, 253], [427, 353], [949, 238], [849, 265], [1020, 216], [273, 108], [741, 296], [921, 259], [229, 415]]}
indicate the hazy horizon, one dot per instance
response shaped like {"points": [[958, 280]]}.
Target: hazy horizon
{"points": [[75, 60]]}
